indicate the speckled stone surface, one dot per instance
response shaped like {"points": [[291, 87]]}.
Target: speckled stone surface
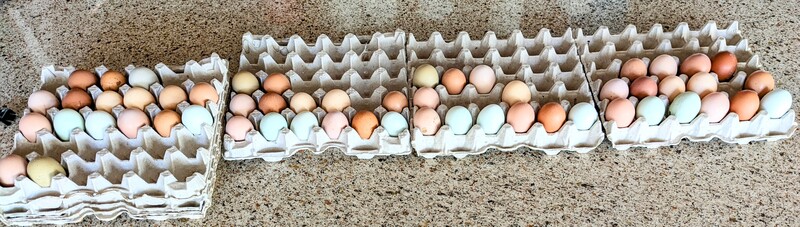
{"points": [[687, 184]]}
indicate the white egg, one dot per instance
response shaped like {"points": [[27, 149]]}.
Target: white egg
{"points": [[97, 122], [777, 102], [142, 77]]}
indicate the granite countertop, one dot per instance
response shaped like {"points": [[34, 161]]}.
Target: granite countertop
{"points": [[686, 184]]}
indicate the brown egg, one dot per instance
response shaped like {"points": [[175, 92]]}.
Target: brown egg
{"points": [[112, 80], [516, 91], [702, 84], [130, 120], [242, 105], [395, 101], [364, 122], [454, 81], [271, 102], [171, 96], [671, 86], [335, 100], [81, 79], [138, 98], [633, 68], [643, 87], [427, 121], [724, 65], [41, 100], [664, 65], [277, 83], [12, 166], [696, 63], [552, 116], [165, 120], [620, 111], [203, 92], [521, 117], [32, 123], [302, 101], [238, 127], [426, 97], [745, 104], [761, 82], [76, 99], [107, 100]]}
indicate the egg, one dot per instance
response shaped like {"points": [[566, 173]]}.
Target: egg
{"points": [[111, 80], [245, 82], [333, 123], [12, 166], [425, 76], [454, 81], [237, 127], [394, 123], [271, 125], [652, 109], [395, 101], [76, 99], [621, 111], [633, 68], [715, 105], [42, 169], [521, 117], [138, 98], [491, 119], [552, 116], [695, 63], [303, 123], [97, 122], [32, 123], [761, 82], [643, 87], [671, 86], [242, 105], [81, 79], [41, 100], [335, 100], [724, 65], [164, 121], [271, 102], [427, 121], [107, 100], [664, 65], [203, 92], [459, 119], [516, 91], [142, 77], [130, 120], [777, 102], [194, 117], [614, 88], [583, 115], [365, 122], [171, 96], [302, 101], [685, 107], [277, 83], [483, 78], [65, 121], [745, 103], [702, 84], [426, 97]]}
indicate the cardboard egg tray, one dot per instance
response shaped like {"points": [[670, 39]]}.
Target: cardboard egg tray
{"points": [[551, 76], [365, 67], [604, 54], [149, 177]]}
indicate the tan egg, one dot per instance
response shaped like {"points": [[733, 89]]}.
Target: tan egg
{"points": [[107, 100], [426, 97], [696, 63], [277, 83], [203, 92], [138, 98], [242, 105], [724, 65], [552, 116], [302, 102], [427, 121], [745, 104], [454, 81], [164, 121], [130, 120], [671, 86], [395, 101], [238, 127], [76, 99], [171, 96], [761, 82], [244, 82], [425, 76], [335, 100], [633, 68], [516, 91], [521, 117], [621, 111], [702, 84], [364, 122], [32, 123], [643, 87], [81, 79], [41, 100], [271, 102], [112, 80], [664, 65]]}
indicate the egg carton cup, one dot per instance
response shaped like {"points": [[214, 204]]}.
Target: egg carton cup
{"points": [[653, 38], [148, 177], [480, 48]]}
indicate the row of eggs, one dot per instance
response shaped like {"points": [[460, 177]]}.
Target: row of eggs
{"points": [[40, 170], [271, 124], [454, 80]]}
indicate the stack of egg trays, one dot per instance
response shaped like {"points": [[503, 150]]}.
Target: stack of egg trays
{"points": [[149, 177], [549, 65], [603, 55], [365, 67]]}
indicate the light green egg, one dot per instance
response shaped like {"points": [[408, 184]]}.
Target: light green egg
{"points": [[459, 119], [271, 125], [583, 115], [652, 109], [425, 76], [491, 119], [777, 102], [685, 107], [42, 169], [97, 122], [65, 121], [303, 123], [194, 116], [394, 123]]}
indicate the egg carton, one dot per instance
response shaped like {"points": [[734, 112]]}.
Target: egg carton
{"points": [[478, 48], [654, 38], [605, 63], [148, 177]]}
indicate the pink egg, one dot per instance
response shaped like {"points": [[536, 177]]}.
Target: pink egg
{"points": [[614, 88], [333, 123], [427, 121], [621, 111], [483, 78], [426, 97], [716, 105], [130, 120], [238, 127], [242, 104]]}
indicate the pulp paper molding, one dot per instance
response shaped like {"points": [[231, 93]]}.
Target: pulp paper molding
{"points": [[604, 64], [148, 177]]}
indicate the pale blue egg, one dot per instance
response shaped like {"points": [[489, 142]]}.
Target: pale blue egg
{"points": [[652, 109], [583, 115], [394, 123], [194, 116], [65, 121], [459, 119], [685, 107], [271, 125], [491, 118], [98, 122], [777, 102], [303, 123]]}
